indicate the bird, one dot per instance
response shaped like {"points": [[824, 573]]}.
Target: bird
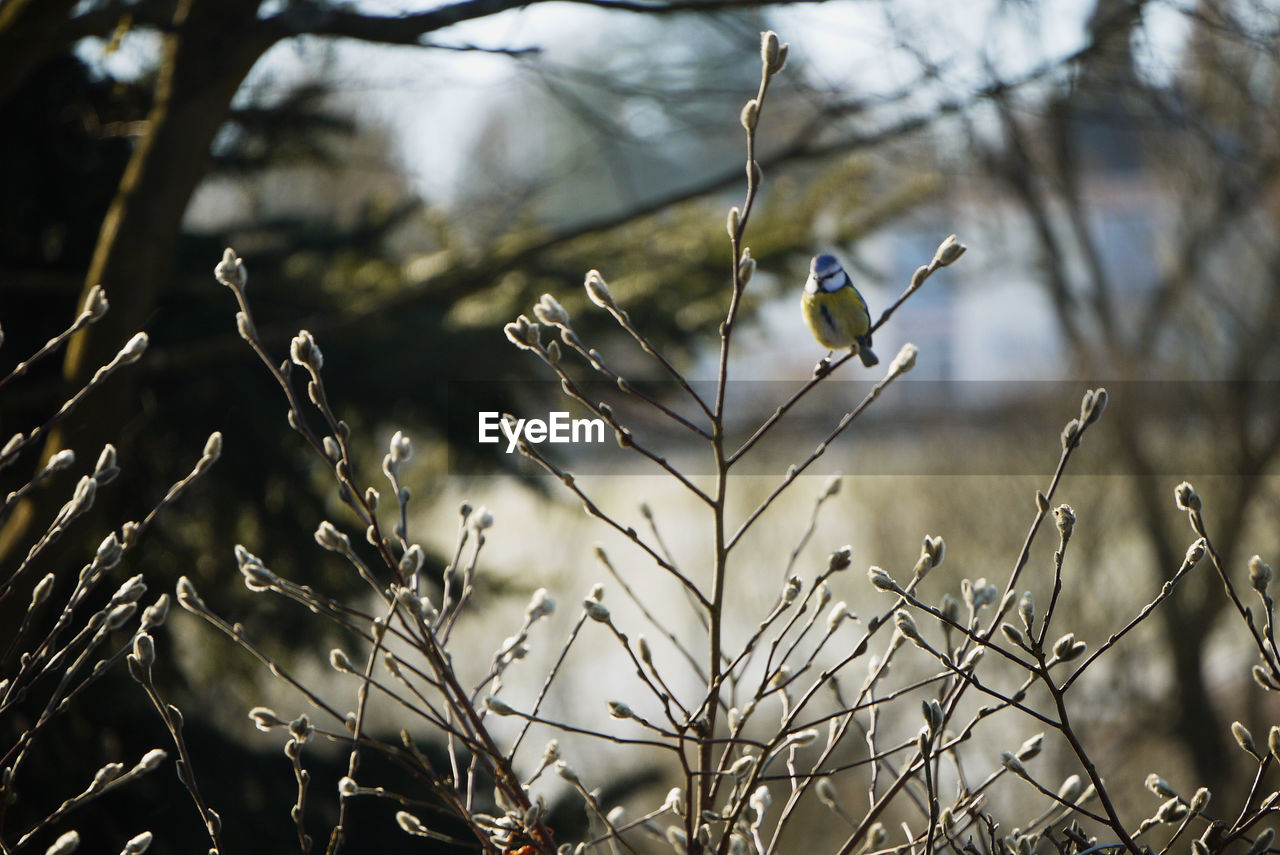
{"points": [[834, 311]]}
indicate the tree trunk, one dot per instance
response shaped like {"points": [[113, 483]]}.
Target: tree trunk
{"points": [[29, 34], [206, 56]]}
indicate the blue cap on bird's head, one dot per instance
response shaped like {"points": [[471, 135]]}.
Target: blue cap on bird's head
{"points": [[824, 265]]}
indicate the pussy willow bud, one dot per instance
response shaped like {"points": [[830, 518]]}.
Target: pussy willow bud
{"points": [[65, 845], [1014, 635], [1243, 738], [1071, 434], [1159, 786], [876, 836], [61, 461], [144, 649], [304, 351], [133, 349], [328, 536], [410, 824], [933, 715], [596, 611], [497, 706], [1172, 811], [1063, 645], [400, 448], [746, 266], [984, 593], [118, 615], [1014, 765], [1092, 405], [42, 590], [907, 626], [1195, 552], [769, 47], [1031, 747], [137, 844], [619, 710], [838, 614], [833, 486], [950, 608], [1259, 574], [598, 290], [230, 271], [804, 737], [212, 447], [840, 559], [264, 718], [109, 551], [155, 614], [1065, 517], [1186, 497], [1200, 800], [1071, 789], [95, 304], [523, 333], [750, 114], [1263, 678], [760, 800], [339, 661], [151, 760], [550, 312], [949, 251], [772, 53], [824, 596], [411, 561], [1262, 842], [904, 361], [733, 222], [1027, 610], [883, 580], [933, 549], [540, 606]]}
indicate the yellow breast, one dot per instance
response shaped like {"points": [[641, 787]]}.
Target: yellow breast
{"points": [[836, 319]]}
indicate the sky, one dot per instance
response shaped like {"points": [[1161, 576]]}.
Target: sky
{"points": [[434, 105], [435, 101]]}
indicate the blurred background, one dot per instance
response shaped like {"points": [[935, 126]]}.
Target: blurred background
{"points": [[404, 178]]}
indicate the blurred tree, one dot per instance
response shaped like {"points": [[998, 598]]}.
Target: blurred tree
{"points": [[102, 179], [1153, 210], [130, 155]]}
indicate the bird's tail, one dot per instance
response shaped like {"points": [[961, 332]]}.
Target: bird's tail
{"points": [[865, 353]]}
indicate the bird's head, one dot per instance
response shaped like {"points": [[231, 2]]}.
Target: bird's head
{"points": [[825, 272], [824, 265]]}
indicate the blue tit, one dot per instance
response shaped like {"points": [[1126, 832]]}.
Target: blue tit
{"points": [[835, 311]]}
